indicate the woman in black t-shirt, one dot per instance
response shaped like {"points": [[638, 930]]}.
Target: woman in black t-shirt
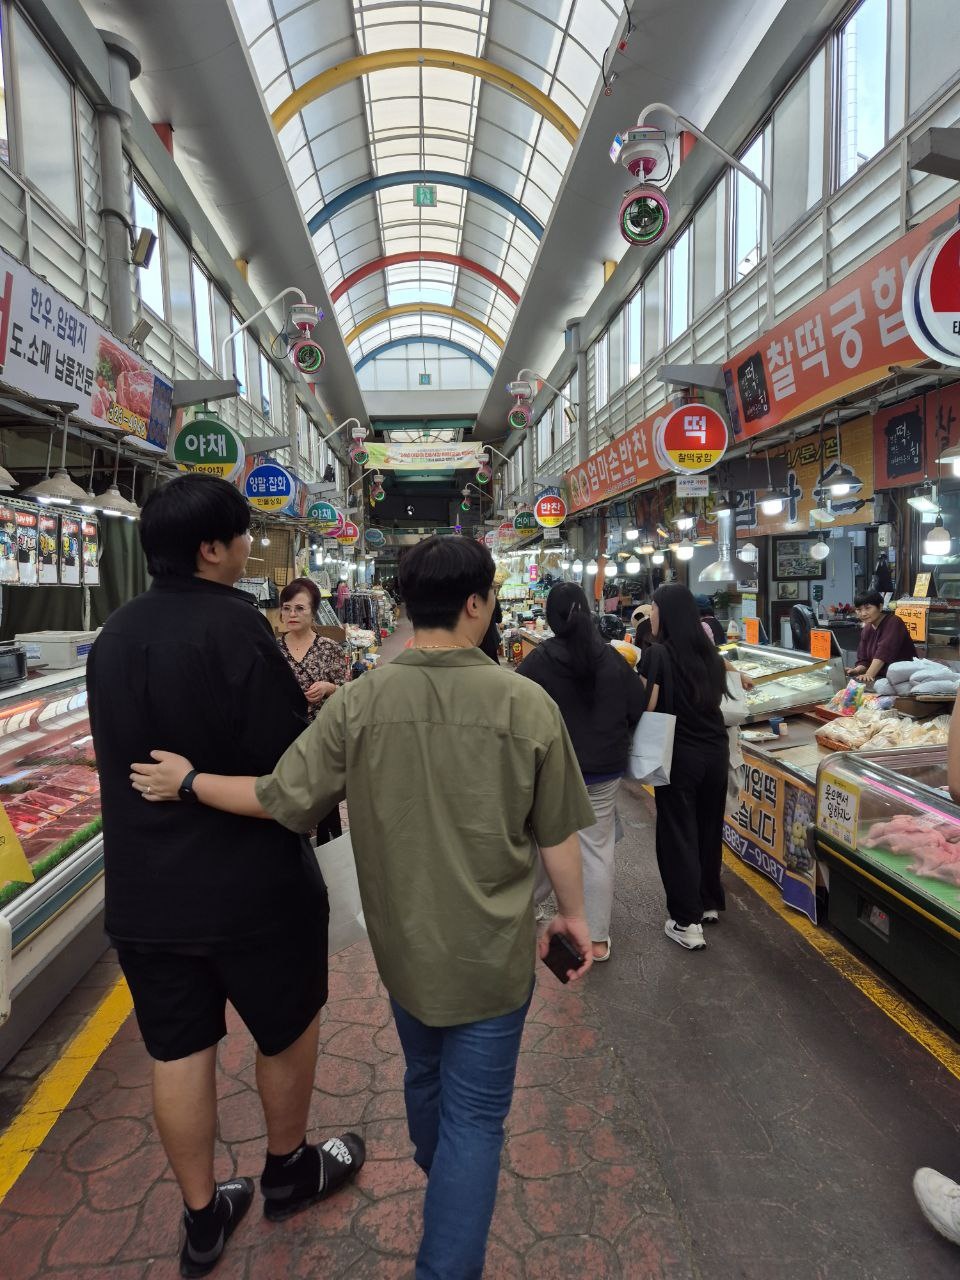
{"points": [[685, 675]]}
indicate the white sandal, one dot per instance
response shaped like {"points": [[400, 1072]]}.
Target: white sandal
{"points": [[604, 959]]}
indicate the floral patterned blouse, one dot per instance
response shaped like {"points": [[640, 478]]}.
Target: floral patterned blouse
{"points": [[324, 660]]}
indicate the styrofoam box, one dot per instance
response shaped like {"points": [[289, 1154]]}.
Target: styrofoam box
{"points": [[60, 649]]}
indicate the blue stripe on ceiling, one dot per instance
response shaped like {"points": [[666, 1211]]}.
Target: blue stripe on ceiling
{"points": [[433, 342], [412, 176]]}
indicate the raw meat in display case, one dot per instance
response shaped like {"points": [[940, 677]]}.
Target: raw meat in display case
{"points": [[48, 779]]}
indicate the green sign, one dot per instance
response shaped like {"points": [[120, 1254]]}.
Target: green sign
{"points": [[425, 196], [325, 516], [524, 520], [425, 379], [208, 444]]}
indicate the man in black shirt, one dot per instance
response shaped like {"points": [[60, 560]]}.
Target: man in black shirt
{"points": [[204, 907]]}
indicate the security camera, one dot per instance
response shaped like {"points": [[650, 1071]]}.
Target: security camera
{"points": [[308, 356], [521, 415], [522, 390], [305, 316], [644, 211]]}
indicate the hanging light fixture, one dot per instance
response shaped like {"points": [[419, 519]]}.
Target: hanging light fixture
{"points": [[724, 504], [565, 564], [577, 565], [820, 549], [657, 558], [89, 503], [748, 553], [823, 515], [685, 550], [631, 534], [610, 570], [646, 547], [684, 520], [937, 541], [776, 499], [57, 490], [592, 567], [926, 499], [112, 502], [633, 566], [843, 483]]}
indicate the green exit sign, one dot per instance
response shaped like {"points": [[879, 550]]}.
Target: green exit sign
{"points": [[425, 379], [424, 196]]}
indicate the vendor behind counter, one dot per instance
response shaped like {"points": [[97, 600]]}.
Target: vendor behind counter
{"points": [[883, 640]]}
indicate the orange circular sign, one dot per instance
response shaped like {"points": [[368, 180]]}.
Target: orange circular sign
{"points": [[348, 535], [692, 438]]}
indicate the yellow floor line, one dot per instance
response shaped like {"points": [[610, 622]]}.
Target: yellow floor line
{"points": [[59, 1083], [909, 1019]]}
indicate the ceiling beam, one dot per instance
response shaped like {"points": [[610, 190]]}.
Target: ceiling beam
{"points": [[449, 259], [423, 308], [432, 342]]}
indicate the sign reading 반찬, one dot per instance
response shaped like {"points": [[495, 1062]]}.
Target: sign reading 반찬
{"points": [[53, 350]]}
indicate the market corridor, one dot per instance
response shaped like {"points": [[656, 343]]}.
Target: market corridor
{"points": [[739, 1112]]}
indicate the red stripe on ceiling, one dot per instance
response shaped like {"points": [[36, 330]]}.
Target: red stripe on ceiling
{"points": [[451, 259]]}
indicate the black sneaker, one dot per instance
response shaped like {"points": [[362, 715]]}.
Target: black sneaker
{"points": [[313, 1174], [233, 1201]]}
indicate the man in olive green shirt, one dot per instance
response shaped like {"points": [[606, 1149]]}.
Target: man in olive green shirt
{"points": [[450, 765]]}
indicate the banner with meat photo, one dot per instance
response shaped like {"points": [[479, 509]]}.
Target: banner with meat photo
{"points": [[51, 349]]}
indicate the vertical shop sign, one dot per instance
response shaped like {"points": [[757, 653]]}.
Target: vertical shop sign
{"points": [[757, 832], [90, 534], [9, 569], [48, 555], [898, 444], [27, 545], [71, 552], [54, 351], [843, 340]]}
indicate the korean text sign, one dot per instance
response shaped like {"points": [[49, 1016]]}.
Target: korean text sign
{"points": [[844, 339], [53, 350]]}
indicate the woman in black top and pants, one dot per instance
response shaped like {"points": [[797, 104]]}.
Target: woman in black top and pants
{"points": [[683, 666]]}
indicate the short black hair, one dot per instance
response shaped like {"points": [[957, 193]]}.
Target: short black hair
{"points": [[184, 513], [868, 597], [439, 575]]}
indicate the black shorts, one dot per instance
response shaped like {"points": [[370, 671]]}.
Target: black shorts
{"points": [[277, 988]]}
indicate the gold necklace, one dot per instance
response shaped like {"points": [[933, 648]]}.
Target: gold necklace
{"points": [[445, 648]]}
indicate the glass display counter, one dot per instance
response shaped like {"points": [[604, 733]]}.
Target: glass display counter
{"points": [[51, 929], [785, 680], [890, 835]]}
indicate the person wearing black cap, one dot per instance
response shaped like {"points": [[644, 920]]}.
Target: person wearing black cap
{"points": [[711, 626]]}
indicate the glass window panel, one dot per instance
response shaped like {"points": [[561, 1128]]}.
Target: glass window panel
{"points": [[748, 211], [600, 358], [179, 284], [680, 286], [264, 384], [708, 240], [897, 67], [4, 134], [615, 348], [201, 307], [634, 322], [933, 48], [46, 124], [240, 358], [222, 324], [798, 141], [653, 313], [253, 368], [149, 279], [276, 398], [862, 54]]}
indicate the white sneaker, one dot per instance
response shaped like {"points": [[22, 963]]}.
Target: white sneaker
{"points": [[689, 936], [710, 917], [939, 1201]]}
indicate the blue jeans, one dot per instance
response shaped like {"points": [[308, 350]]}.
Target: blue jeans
{"points": [[458, 1088]]}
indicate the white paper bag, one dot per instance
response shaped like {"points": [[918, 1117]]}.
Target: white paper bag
{"points": [[339, 872], [733, 704], [651, 752]]}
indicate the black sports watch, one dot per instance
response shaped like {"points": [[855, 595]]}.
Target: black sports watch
{"points": [[186, 791]]}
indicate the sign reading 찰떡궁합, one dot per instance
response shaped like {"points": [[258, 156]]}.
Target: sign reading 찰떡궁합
{"points": [[838, 809]]}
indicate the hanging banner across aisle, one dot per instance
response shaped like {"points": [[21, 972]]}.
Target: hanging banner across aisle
{"points": [[423, 457]]}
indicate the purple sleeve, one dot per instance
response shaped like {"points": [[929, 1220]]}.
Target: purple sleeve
{"points": [[894, 643], [867, 646]]}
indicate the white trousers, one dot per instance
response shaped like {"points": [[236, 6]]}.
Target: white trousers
{"points": [[596, 849]]}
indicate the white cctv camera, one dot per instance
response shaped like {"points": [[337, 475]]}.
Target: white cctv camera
{"points": [[644, 212], [522, 390], [305, 316]]}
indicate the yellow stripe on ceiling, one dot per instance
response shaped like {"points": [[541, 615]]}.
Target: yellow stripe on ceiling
{"points": [[446, 59], [429, 308]]}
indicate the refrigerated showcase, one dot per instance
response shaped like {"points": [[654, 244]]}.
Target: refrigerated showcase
{"points": [[785, 680], [51, 931], [890, 836]]}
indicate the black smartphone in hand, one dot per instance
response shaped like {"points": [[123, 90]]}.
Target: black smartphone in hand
{"points": [[562, 957]]}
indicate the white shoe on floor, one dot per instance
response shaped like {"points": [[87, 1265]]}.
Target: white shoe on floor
{"points": [[939, 1201], [689, 936], [710, 917]]}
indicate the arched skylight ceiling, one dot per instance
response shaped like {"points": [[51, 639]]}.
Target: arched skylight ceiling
{"points": [[417, 118]]}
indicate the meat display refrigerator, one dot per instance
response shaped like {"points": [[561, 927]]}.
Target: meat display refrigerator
{"points": [[51, 931], [890, 835], [785, 680]]}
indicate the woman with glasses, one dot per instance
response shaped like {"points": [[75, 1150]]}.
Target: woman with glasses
{"points": [[319, 665]]}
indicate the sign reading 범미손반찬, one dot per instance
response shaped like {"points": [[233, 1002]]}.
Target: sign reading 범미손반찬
{"points": [[690, 439]]}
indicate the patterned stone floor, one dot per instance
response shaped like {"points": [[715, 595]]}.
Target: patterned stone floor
{"points": [[580, 1194]]}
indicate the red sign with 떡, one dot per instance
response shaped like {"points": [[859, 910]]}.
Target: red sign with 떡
{"points": [[691, 439], [931, 299], [845, 339]]}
